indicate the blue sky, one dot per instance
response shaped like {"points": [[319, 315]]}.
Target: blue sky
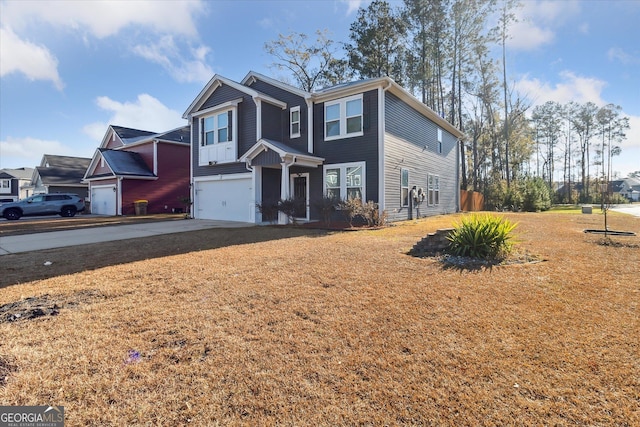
{"points": [[68, 69]]}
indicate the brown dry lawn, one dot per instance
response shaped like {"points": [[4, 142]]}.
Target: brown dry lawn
{"points": [[285, 326]]}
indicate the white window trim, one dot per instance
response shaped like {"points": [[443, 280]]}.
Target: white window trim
{"points": [[343, 177], [216, 147], [432, 189], [439, 141], [342, 102], [5, 186], [293, 134], [402, 187]]}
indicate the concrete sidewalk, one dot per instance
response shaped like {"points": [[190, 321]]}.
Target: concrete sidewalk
{"points": [[59, 239]]}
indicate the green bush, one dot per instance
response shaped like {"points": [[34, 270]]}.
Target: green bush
{"points": [[537, 196], [482, 236]]}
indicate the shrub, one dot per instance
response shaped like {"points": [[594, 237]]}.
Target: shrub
{"points": [[537, 196], [481, 236], [369, 212], [269, 210], [326, 206]]}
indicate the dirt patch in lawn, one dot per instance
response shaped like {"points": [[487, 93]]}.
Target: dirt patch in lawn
{"points": [[299, 327]]}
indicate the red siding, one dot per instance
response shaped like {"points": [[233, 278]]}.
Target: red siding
{"points": [[171, 185], [146, 151], [99, 170]]}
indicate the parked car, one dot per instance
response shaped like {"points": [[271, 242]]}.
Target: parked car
{"points": [[63, 204]]}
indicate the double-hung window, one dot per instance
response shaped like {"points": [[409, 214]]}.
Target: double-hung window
{"points": [[343, 118], [5, 186], [217, 136], [294, 120], [216, 128], [345, 181], [433, 188], [404, 187]]}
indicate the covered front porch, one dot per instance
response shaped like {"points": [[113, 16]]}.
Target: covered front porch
{"points": [[280, 172]]}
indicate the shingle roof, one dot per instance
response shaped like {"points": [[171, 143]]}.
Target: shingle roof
{"points": [[50, 160], [182, 134], [20, 173], [126, 163], [128, 135], [61, 176]]}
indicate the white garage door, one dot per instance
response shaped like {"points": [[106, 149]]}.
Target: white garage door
{"points": [[227, 199], [103, 200]]}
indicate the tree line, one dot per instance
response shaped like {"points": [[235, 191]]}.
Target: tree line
{"points": [[451, 54]]}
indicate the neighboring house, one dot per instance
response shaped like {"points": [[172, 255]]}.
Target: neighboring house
{"points": [[261, 140], [59, 174], [132, 165], [13, 183], [628, 188]]}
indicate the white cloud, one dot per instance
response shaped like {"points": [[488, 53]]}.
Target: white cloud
{"points": [[352, 5], [571, 88], [183, 69], [145, 113], [103, 18], [618, 54], [29, 151], [537, 21], [34, 61]]}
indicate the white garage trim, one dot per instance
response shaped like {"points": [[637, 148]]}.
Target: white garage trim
{"points": [[225, 197]]}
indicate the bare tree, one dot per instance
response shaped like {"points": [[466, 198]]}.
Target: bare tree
{"points": [[311, 64]]}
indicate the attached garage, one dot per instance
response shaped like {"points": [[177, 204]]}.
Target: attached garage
{"points": [[228, 199], [103, 200]]}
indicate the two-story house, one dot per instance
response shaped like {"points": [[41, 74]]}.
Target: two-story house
{"points": [[261, 140], [14, 183], [133, 164]]}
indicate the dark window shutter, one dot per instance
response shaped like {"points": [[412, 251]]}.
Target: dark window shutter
{"points": [[366, 113]]}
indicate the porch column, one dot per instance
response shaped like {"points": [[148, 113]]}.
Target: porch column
{"points": [[284, 191]]}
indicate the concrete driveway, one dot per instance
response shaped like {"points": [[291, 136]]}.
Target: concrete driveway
{"points": [[631, 209], [59, 239]]}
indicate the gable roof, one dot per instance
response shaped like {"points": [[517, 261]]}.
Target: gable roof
{"points": [[284, 151], [217, 81], [253, 76], [19, 173], [50, 160], [60, 176]]}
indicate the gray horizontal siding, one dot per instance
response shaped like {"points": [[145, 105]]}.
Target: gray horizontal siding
{"points": [[356, 149], [292, 100], [246, 119], [411, 143]]}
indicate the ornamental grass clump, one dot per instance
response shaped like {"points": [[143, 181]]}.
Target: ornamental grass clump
{"points": [[482, 236]]}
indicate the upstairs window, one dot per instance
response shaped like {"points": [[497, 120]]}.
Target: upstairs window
{"points": [[439, 140], [294, 120], [5, 185], [218, 136], [216, 129], [343, 118]]}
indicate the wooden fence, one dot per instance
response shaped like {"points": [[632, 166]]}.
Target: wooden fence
{"points": [[471, 201]]}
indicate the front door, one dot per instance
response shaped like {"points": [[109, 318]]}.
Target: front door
{"points": [[300, 186]]}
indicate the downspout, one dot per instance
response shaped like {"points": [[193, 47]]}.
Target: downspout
{"points": [[119, 195], [381, 150], [309, 125]]}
